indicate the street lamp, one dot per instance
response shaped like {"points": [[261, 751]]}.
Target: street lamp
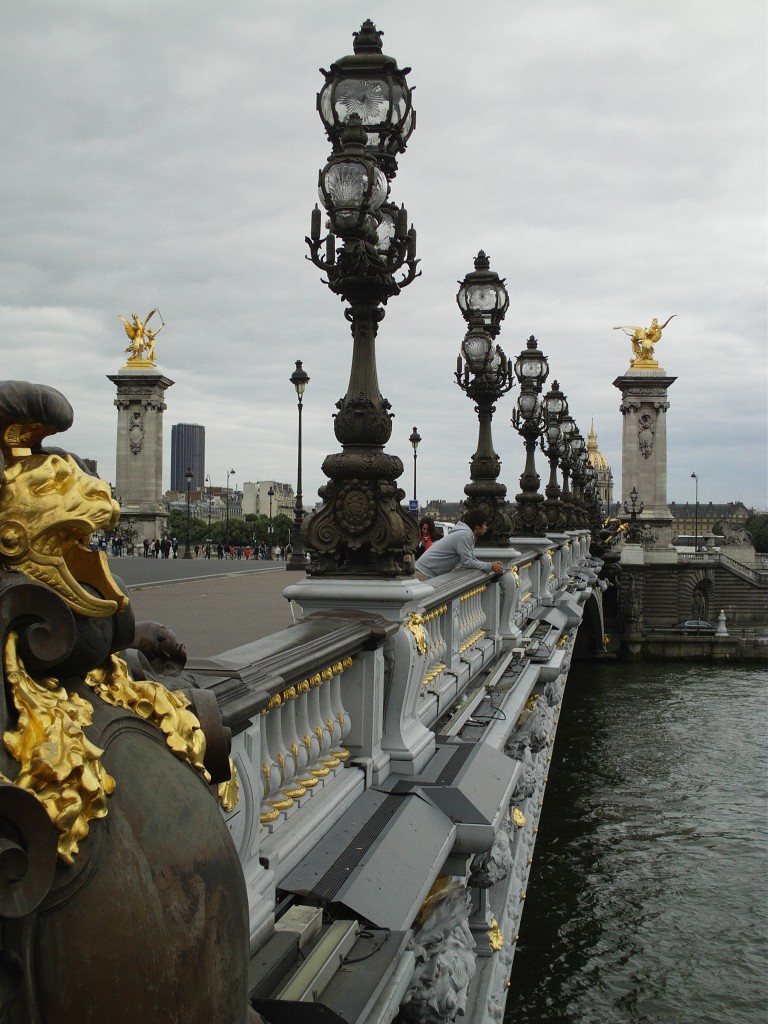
{"points": [[271, 493], [695, 476], [415, 438], [230, 472], [367, 257], [188, 476], [210, 499], [484, 374], [298, 560], [531, 369], [634, 534], [555, 410]]}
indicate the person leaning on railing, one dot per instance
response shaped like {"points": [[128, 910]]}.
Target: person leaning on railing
{"points": [[457, 550]]}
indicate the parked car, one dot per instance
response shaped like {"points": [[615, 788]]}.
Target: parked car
{"points": [[695, 626]]}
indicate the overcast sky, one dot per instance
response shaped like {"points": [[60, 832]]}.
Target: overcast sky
{"points": [[609, 156]]}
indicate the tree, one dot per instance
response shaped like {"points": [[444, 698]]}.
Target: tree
{"points": [[757, 526], [176, 526], [282, 525]]}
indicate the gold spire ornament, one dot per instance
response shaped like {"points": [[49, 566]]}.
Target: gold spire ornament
{"points": [[643, 340], [141, 348]]}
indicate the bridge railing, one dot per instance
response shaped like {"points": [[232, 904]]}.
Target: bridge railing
{"points": [[336, 702]]}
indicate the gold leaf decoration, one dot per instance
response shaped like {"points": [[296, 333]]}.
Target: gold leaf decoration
{"points": [[59, 764], [165, 709]]}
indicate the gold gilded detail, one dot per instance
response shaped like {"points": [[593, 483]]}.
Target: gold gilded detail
{"points": [[58, 762], [319, 773], [330, 762], [268, 817], [643, 341], [415, 626], [309, 783], [342, 753], [281, 805], [433, 674], [518, 818], [229, 792], [495, 938], [296, 792], [141, 348], [295, 754], [165, 709], [49, 507], [472, 640], [515, 573]]}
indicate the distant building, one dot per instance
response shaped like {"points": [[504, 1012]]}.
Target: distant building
{"points": [[187, 452], [256, 498], [731, 516], [603, 474], [446, 511]]}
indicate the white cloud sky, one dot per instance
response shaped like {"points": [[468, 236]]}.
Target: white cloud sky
{"points": [[609, 156]]}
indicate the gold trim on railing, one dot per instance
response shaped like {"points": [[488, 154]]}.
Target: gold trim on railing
{"points": [[316, 679], [472, 640], [433, 674], [473, 593]]}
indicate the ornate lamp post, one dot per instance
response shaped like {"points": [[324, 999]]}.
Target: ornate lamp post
{"points": [[365, 106], [415, 438], [210, 500], [188, 477], [695, 476], [578, 460], [532, 369], [484, 374], [555, 409], [230, 472], [271, 493], [633, 535], [298, 560]]}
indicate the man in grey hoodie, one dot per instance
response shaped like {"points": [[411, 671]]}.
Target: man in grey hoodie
{"points": [[457, 549]]}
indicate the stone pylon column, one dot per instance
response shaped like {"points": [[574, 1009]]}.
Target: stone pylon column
{"points": [[139, 464], [644, 408]]}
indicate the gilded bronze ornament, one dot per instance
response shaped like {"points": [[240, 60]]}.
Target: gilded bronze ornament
{"points": [[92, 800]]}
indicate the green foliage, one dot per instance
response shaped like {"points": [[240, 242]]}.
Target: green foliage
{"points": [[241, 532], [757, 525], [282, 525]]}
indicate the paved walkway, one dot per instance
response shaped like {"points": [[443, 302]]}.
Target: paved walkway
{"points": [[211, 615]]}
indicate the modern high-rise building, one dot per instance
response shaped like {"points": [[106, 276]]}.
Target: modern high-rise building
{"points": [[187, 451]]}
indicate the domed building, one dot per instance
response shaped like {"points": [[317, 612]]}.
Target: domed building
{"points": [[604, 476]]}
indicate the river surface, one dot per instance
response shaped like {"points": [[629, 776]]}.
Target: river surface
{"points": [[647, 897]]}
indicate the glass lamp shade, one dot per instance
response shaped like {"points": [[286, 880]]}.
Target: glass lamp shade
{"points": [[531, 366], [577, 443], [567, 425], [554, 433], [299, 378], [555, 403], [368, 84], [476, 349], [482, 292], [351, 189], [529, 405]]}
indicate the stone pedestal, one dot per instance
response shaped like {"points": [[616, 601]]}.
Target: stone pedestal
{"points": [[644, 450], [139, 461]]}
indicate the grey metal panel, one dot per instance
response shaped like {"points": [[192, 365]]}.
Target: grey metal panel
{"points": [[379, 860], [472, 784], [554, 616]]}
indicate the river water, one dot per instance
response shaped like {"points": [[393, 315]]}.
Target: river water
{"points": [[647, 897]]}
